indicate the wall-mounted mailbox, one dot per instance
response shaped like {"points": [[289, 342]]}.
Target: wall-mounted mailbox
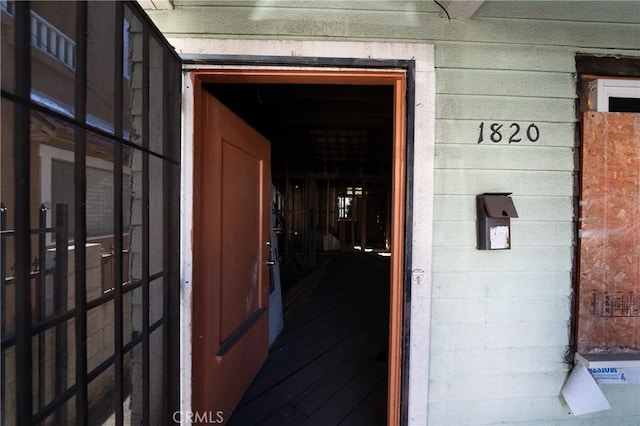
{"points": [[494, 213]]}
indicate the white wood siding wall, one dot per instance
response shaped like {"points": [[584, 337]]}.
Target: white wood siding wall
{"points": [[500, 320]]}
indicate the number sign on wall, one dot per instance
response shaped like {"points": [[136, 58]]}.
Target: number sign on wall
{"points": [[511, 133]]}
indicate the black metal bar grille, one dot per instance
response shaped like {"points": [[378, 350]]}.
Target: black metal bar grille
{"points": [[118, 228], [80, 194], [41, 302], [60, 300], [166, 226], [145, 230], [47, 332], [3, 296], [22, 222]]}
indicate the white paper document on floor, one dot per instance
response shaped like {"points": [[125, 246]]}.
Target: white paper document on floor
{"points": [[582, 393]]}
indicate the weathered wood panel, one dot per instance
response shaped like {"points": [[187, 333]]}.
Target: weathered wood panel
{"points": [[505, 82], [523, 234], [496, 311], [520, 410], [471, 388], [387, 25], [484, 361], [504, 108], [618, 11], [534, 208], [466, 131], [448, 259], [459, 181], [490, 56], [489, 156], [609, 295], [501, 285], [455, 337]]}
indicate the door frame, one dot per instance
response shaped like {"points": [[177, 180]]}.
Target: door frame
{"points": [[411, 269]]}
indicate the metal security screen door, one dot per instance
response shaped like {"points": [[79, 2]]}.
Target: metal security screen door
{"points": [[89, 244]]}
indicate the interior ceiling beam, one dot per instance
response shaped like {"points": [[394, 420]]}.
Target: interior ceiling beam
{"points": [[463, 9], [347, 177]]}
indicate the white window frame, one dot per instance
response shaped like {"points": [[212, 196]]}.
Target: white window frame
{"points": [[615, 88]]}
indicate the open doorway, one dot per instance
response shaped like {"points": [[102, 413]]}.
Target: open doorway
{"points": [[338, 139], [331, 168]]}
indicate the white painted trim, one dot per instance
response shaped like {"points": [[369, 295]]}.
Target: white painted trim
{"points": [[424, 142], [463, 9], [619, 88], [186, 252], [615, 359], [156, 4]]}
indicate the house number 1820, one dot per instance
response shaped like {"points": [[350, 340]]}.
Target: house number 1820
{"points": [[497, 132]]}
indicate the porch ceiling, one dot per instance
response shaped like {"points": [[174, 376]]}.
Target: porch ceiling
{"points": [[332, 130]]}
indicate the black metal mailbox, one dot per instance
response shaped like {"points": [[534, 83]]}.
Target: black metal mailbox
{"points": [[494, 213]]}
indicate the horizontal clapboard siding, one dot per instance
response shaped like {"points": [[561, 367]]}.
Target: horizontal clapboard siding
{"points": [[524, 234], [499, 284], [474, 362], [504, 107], [466, 131], [511, 83], [525, 259], [403, 25], [518, 410], [488, 156], [520, 182], [500, 320], [495, 310], [534, 208]]}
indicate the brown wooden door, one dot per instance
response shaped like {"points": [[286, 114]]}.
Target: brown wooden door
{"points": [[231, 293], [396, 213]]}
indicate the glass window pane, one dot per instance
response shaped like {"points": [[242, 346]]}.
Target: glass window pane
{"points": [[100, 337], [174, 105], [100, 394], [156, 214], [136, 356], [155, 377], [53, 158], [156, 96], [133, 68], [156, 297], [7, 64], [6, 157], [100, 65], [53, 55]]}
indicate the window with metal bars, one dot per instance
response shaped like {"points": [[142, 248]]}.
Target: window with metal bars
{"points": [[89, 236]]}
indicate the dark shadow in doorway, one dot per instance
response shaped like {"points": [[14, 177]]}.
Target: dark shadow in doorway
{"points": [[329, 365]]}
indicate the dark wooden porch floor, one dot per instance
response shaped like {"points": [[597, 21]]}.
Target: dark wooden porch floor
{"points": [[329, 365]]}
